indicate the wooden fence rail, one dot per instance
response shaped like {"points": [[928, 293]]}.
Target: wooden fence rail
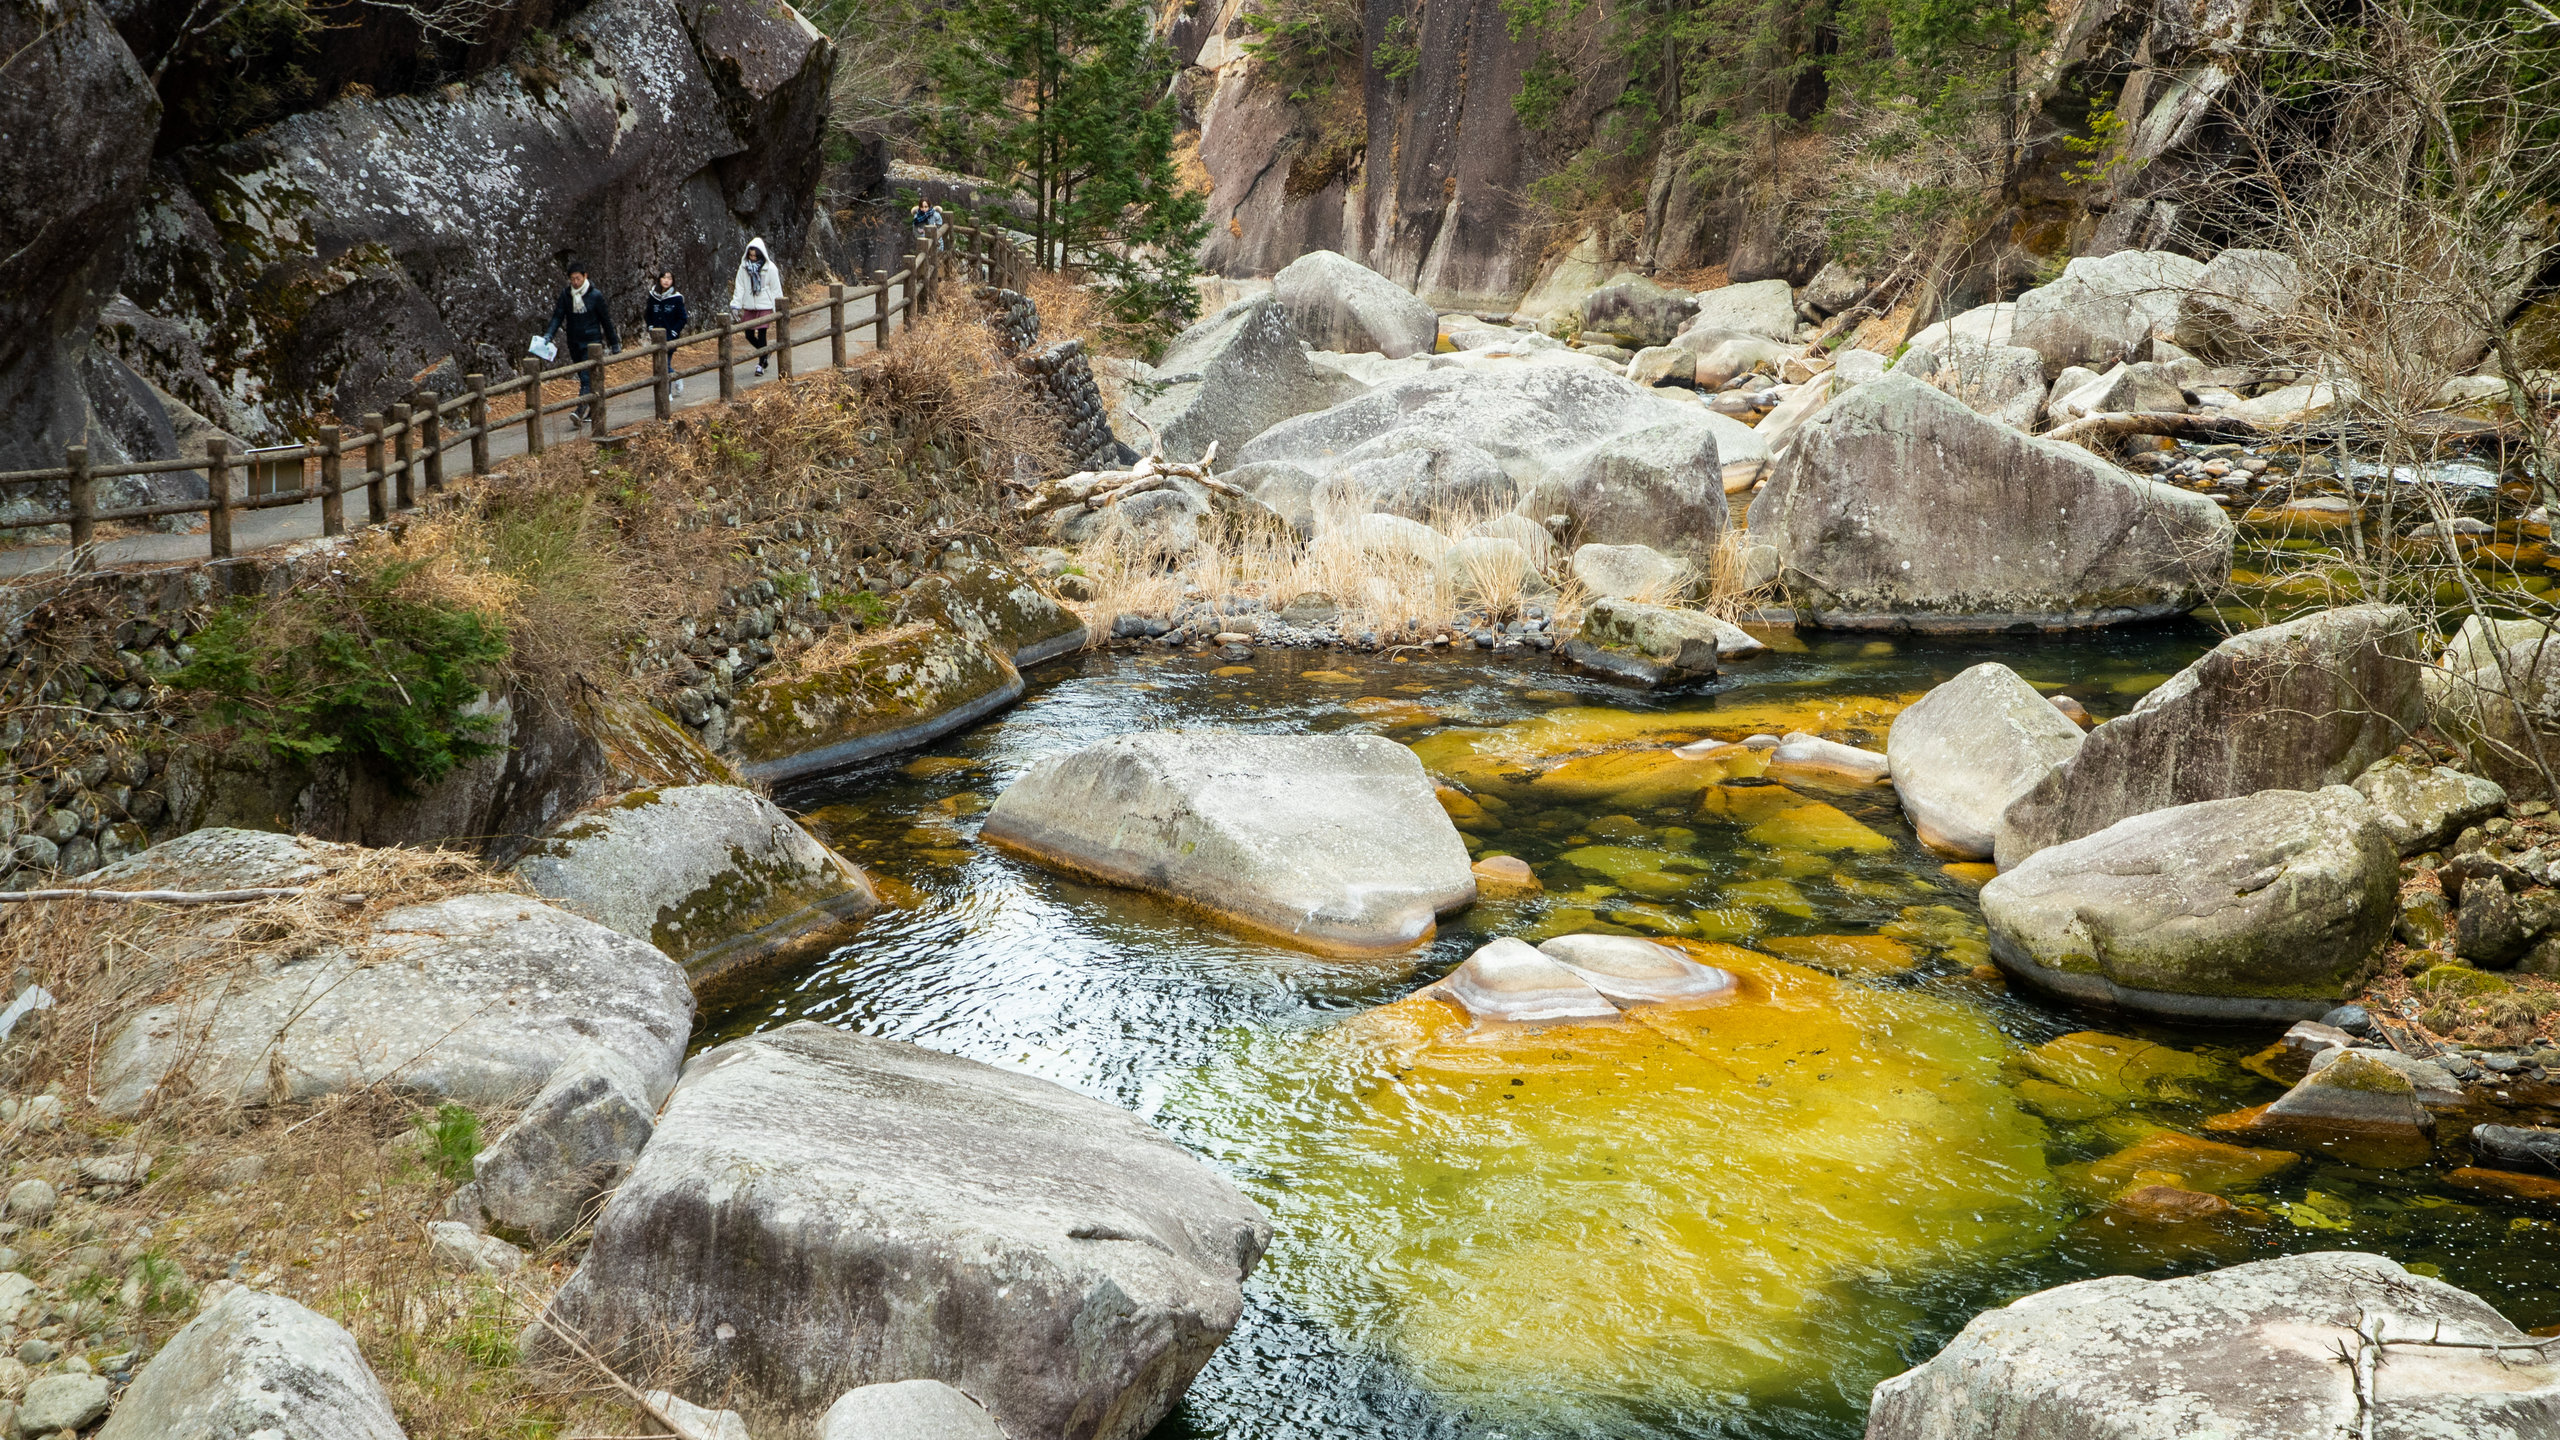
{"points": [[398, 456]]}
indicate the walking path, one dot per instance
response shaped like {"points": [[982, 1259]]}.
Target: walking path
{"points": [[259, 529]]}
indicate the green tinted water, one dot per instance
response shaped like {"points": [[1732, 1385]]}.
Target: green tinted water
{"points": [[1731, 1220]]}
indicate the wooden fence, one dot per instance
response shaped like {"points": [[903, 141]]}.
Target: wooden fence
{"points": [[392, 457]]}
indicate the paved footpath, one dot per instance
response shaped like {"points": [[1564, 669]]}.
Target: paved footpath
{"points": [[257, 529]]}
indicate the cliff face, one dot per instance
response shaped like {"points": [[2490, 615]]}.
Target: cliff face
{"points": [[343, 256], [1421, 178]]}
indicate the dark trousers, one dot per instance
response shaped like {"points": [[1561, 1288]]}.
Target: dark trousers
{"points": [[756, 337]]}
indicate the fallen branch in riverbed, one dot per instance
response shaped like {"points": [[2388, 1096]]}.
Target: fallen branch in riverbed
{"points": [[171, 897], [2118, 424], [1100, 489]]}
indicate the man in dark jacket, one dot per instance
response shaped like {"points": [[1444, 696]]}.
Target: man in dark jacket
{"points": [[583, 319]]}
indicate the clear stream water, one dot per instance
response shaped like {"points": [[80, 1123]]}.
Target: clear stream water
{"points": [[1726, 1222]]}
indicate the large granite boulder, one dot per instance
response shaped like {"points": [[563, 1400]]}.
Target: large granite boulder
{"points": [[1232, 376], [714, 876], [2005, 382], [985, 599], [2497, 695], [2249, 1351], [1421, 474], [79, 114], [1337, 303], [1653, 647], [1538, 422], [1765, 308], [1637, 311], [893, 691], [2296, 706], [1332, 842], [820, 1211], [1895, 507], [2104, 308], [255, 1364], [328, 261], [1662, 486], [1628, 572], [2423, 806], [2234, 309], [2272, 906], [479, 997], [1965, 750]]}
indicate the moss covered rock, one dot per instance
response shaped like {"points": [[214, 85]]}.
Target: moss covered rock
{"points": [[2268, 907], [890, 692], [715, 876], [987, 600]]}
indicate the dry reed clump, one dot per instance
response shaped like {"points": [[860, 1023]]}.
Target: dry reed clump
{"points": [[324, 1203], [1379, 579]]}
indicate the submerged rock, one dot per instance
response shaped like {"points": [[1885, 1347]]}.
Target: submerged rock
{"points": [[894, 691], [1895, 507], [715, 876], [2297, 706], [1331, 842], [480, 997], [2355, 1109], [2247, 1351], [2268, 907], [1337, 303], [1234, 375], [1509, 980], [249, 1364], [1630, 971], [938, 1219], [1967, 749]]}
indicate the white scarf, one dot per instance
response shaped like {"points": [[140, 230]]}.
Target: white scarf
{"points": [[578, 298]]}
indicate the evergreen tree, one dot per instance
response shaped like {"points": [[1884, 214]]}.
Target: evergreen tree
{"points": [[1069, 103]]}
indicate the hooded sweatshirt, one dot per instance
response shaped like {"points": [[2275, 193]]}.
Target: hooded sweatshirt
{"points": [[666, 310], [758, 286]]}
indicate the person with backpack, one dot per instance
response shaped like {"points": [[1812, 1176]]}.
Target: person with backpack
{"points": [[582, 317], [666, 311], [755, 294]]}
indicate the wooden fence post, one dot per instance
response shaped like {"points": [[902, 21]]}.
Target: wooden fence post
{"points": [[375, 512], [217, 493], [880, 310], [597, 405], [835, 326], [729, 361], [84, 507], [531, 369], [782, 339], [431, 437], [404, 449], [333, 494], [479, 414], [662, 360]]}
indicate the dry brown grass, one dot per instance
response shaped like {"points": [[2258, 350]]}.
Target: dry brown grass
{"points": [[336, 1210]]}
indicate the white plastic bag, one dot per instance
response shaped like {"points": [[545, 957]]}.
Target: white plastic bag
{"points": [[541, 348]]}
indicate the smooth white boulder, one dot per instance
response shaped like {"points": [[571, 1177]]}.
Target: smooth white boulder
{"points": [[1232, 376], [2104, 308], [1510, 980], [1629, 971], [252, 1365], [1337, 303], [1621, 572], [1967, 749], [1331, 842], [1761, 307], [937, 1218], [907, 1410]]}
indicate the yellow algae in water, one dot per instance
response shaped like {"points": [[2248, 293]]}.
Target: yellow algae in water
{"points": [[1329, 677], [1970, 875], [1817, 826], [1232, 670], [1619, 861], [1779, 895], [1639, 778], [1462, 808], [1857, 954], [2187, 1161], [1392, 713], [928, 766], [1827, 714], [2117, 1068], [1747, 802], [1686, 1207]]}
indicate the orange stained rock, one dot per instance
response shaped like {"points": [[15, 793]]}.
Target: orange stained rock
{"points": [[1971, 875], [2169, 1157], [2507, 1185], [1506, 872], [1817, 826], [1856, 954]]}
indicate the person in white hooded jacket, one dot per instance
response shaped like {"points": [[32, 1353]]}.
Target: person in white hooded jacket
{"points": [[755, 294]]}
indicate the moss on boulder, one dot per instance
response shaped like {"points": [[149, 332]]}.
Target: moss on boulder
{"points": [[891, 691]]}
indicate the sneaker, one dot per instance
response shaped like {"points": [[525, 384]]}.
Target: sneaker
{"points": [[679, 388], [578, 416], [760, 367]]}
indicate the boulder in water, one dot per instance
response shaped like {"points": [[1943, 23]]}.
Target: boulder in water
{"points": [[1232, 376], [892, 691], [715, 876], [1509, 980], [1332, 842], [1337, 303], [940, 1219], [986, 599], [2297, 706], [2354, 1108], [1630, 971], [1895, 507], [252, 1363], [1964, 751], [2247, 1351], [2271, 906], [1651, 646]]}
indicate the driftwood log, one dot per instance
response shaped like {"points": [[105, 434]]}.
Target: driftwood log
{"points": [[1104, 488], [2089, 430]]}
